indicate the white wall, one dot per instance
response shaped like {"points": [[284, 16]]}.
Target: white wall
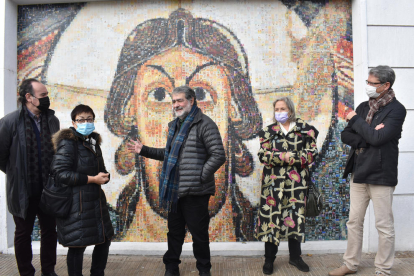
{"points": [[8, 76], [390, 37]]}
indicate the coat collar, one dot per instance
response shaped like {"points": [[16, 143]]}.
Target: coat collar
{"points": [[301, 127], [72, 134], [50, 112], [197, 118]]}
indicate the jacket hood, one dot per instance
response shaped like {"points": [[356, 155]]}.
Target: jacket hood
{"points": [[71, 134]]}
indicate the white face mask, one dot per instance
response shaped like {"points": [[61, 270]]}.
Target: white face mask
{"points": [[372, 91]]}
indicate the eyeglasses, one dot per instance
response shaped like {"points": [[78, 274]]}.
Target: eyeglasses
{"points": [[81, 121], [373, 83]]}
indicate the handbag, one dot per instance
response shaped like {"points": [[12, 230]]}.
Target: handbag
{"points": [[314, 200], [56, 200]]}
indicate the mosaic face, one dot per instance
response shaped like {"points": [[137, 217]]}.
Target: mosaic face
{"points": [[124, 58]]}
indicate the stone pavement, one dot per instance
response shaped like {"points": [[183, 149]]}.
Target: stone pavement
{"points": [[126, 265]]}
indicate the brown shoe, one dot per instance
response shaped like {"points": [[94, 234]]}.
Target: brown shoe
{"points": [[343, 270]]}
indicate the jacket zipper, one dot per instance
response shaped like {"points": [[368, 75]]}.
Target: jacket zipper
{"points": [[100, 203], [80, 196], [100, 207]]}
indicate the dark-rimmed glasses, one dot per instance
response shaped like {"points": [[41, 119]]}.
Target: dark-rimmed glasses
{"points": [[81, 121]]}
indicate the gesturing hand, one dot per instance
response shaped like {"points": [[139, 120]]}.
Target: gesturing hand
{"points": [[378, 127], [136, 146]]}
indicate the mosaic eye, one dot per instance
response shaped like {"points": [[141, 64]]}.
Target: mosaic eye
{"points": [[202, 94], [159, 94]]}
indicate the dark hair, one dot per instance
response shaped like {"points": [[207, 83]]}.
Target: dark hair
{"points": [[26, 87], [188, 91], [203, 36], [383, 73], [79, 109]]}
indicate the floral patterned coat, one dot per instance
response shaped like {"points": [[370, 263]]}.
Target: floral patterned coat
{"points": [[284, 188]]}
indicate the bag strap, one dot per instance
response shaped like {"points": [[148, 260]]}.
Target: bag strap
{"points": [[311, 185], [75, 165]]}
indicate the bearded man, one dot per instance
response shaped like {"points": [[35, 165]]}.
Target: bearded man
{"points": [[194, 152]]}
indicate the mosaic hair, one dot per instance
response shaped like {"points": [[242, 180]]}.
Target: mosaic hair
{"points": [[203, 36]]}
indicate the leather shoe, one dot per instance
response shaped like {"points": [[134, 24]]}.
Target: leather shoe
{"points": [[268, 268], [300, 264], [172, 273], [341, 271], [208, 273], [49, 274]]}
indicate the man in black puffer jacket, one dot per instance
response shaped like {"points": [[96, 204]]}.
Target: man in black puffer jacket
{"points": [[194, 152]]}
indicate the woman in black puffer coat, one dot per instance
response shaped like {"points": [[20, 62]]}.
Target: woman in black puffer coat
{"points": [[78, 163]]}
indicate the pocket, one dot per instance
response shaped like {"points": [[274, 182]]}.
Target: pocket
{"points": [[368, 163]]}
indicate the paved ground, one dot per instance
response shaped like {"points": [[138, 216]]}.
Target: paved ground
{"points": [[224, 266]]}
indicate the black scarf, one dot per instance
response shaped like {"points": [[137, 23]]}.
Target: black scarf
{"points": [[37, 173]]}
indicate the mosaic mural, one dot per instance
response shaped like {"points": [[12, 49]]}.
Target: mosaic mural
{"points": [[123, 58]]}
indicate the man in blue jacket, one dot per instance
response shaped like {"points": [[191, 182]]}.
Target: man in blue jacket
{"points": [[26, 152], [373, 132]]}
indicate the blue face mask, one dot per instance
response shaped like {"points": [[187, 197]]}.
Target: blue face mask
{"points": [[86, 128]]}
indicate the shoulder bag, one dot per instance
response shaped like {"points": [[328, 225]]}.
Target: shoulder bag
{"points": [[314, 200], [56, 200]]}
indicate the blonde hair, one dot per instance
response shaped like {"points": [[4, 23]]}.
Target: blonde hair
{"points": [[290, 105]]}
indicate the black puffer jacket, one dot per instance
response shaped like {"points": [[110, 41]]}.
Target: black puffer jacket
{"points": [[378, 162], [89, 222], [201, 155]]}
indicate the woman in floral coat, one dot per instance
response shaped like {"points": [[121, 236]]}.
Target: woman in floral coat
{"points": [[287, 148]]}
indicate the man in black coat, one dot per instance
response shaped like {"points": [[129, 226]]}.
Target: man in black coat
{"points": [[26, 152], [373, 132], [194, 152]]}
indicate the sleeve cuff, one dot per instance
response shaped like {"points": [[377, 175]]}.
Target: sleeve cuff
{"points": [[83, 179], [144, 151], [353, 120]]}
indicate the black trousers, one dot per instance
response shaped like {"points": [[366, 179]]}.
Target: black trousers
{"points": [[193, 212], [271, 250], [74, 259], [23, 240]]}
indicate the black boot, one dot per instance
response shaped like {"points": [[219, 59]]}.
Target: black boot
{"points": [[300, 264], [268, 267], [172, 273]]}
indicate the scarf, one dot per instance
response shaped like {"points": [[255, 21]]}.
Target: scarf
{"points": [[38, 166], [375, 104], [169, 176]]}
